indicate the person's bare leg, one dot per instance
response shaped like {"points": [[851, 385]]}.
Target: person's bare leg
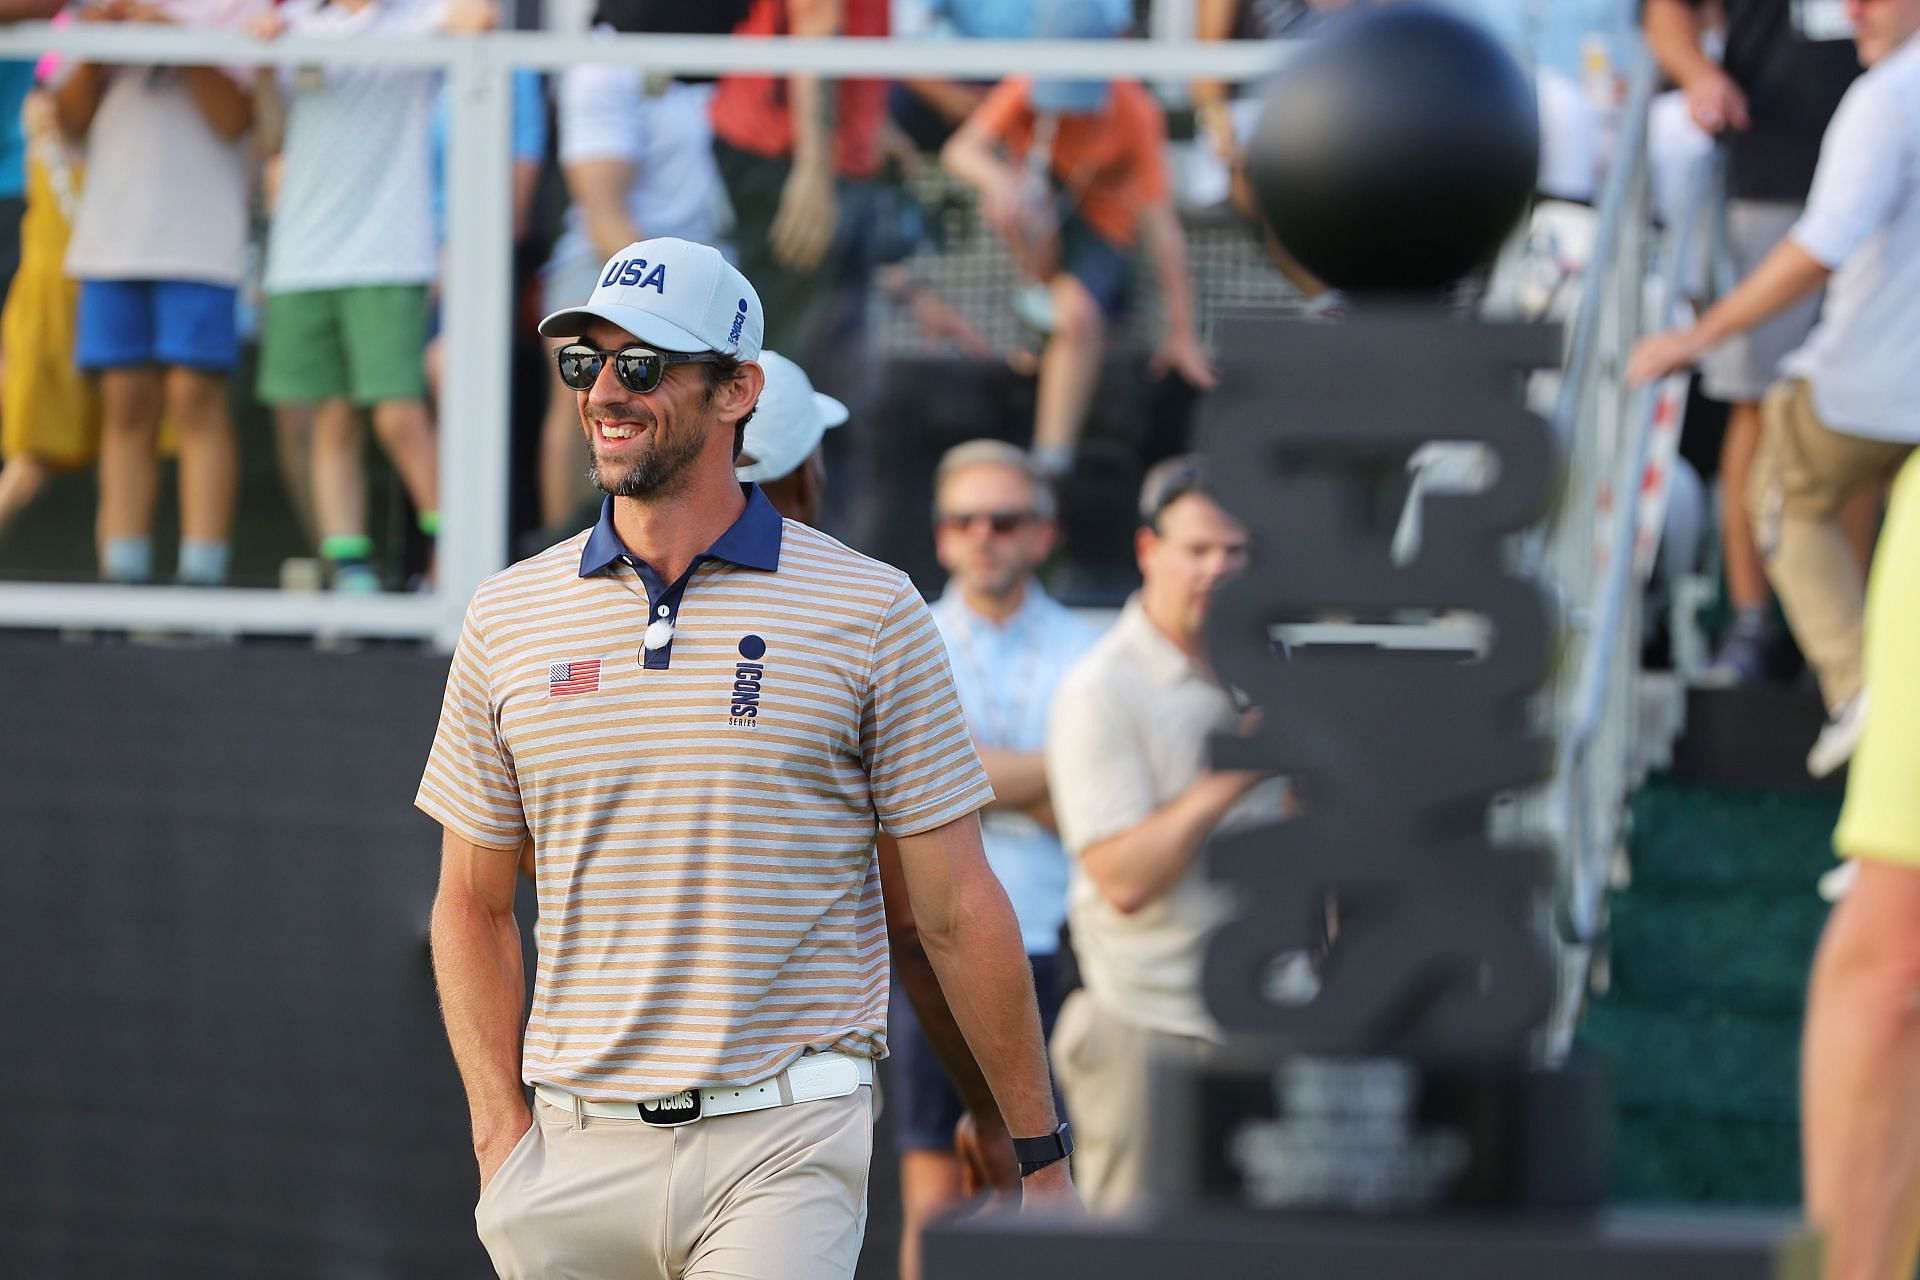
{"points": [[1860, 1079], [129, 463], [21, 481], [1069, 369], [339, 475], [1860, 520], [293, 451], [929, 1184], [209, 456], [1746, 575], [405, 431], [563, 455]]}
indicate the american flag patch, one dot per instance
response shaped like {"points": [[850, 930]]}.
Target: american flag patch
{"points": [[564, 679]]}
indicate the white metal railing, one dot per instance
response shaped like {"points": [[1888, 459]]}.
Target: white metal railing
{"points": [[1607, 430], [476, 288]]}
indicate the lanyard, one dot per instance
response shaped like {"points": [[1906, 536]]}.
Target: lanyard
{"points": [[999, 717]]}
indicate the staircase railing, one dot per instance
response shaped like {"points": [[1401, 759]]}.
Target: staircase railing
{"points": [[1607, 431]]}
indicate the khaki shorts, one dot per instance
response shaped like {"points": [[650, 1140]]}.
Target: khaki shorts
{"points": [[779, 1193]]}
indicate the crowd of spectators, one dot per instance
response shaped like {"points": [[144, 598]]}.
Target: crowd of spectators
{"points": [[202, 244]]}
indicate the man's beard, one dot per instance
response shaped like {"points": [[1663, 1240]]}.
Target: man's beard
{"points": [[660, 470]]}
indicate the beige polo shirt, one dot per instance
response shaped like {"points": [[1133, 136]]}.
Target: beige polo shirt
{"points": [[703, 812], [1128, 734]]}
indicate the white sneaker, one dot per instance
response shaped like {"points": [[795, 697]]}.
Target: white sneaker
{"points": [[1841, 734], [1835, 883]]}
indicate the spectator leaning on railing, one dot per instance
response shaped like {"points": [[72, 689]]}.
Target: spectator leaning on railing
{"points": [[1785, 67], [159, 246], [1847, 410]]}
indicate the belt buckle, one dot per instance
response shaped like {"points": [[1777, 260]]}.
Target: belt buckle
{"points": [[673, 1110]]}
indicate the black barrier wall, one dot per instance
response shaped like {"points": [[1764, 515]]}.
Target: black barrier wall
{"points": [[223, 1055], [220, 1053]]}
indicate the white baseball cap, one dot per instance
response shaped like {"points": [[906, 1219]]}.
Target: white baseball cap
{"points": [[672, 294], [787, 422]]}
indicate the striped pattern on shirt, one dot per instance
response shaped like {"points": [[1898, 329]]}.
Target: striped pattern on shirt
{"points": [[709, 900]]}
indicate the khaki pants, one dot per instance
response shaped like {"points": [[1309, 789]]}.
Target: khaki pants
{"points": [[1102, 1064], [1803, 474], [779, 1194]]}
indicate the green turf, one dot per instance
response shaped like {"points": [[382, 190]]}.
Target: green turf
{"points": [[1708, 958]]}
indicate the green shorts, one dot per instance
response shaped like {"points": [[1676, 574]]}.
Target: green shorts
{"points": [[366, 343]]}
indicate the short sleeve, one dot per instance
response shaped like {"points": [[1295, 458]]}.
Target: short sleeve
{"points": [[920, 759], [998, 115], [1861, 177], [1098, 776], [470, 787], [599, 113]]}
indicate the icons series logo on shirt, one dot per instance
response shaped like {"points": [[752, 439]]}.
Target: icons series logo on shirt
{"points": [[748, 673]]}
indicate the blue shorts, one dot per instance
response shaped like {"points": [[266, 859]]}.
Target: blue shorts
{"points": [[1103, 267], [927, 1106], [124, 324]]}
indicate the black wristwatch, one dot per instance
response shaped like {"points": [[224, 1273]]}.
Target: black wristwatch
{"points": [[1035, 1154]]}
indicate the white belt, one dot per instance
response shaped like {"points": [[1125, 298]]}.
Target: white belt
{"points": [[813, 1077]]}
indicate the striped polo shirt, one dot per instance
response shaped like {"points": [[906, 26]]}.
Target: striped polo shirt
{"points": [[702, 813]]}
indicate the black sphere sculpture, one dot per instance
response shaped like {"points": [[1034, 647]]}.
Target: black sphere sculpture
{"points": [[1395, 153]]}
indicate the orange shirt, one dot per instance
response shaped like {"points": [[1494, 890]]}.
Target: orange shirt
{"points": [[1111, 165], [750, 111]]}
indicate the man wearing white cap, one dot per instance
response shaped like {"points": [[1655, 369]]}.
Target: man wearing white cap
{"points": [[696, 714], [782, 451]]}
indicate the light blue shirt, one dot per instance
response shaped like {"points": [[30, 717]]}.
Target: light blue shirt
{"points": [[1006, 675]]}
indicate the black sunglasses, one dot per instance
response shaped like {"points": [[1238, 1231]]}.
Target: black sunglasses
{"points": [[999, 521], [640, 369]]}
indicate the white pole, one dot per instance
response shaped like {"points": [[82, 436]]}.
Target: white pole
{"points": [[477, 310]]}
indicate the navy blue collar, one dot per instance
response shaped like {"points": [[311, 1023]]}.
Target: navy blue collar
{"points": [[752, 541]]}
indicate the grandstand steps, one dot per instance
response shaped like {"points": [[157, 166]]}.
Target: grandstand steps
{"points": [[1708, 952]]}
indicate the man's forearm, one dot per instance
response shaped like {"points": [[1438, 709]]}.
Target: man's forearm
{"points": [[1138, 866], [969, 157], [1787, 274], [77, 98], [477, 967], [225, 106], [1019, 778], [1672, 29], [916, 975], [1168, 247], [983, 970], [807, 95]]}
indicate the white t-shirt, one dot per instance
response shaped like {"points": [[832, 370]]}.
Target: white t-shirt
{"points": [[165, 196], [606, 113], [1862, 359], [356, 178]]}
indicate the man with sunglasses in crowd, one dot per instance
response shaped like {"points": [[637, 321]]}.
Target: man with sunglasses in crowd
{"points": [[1135, 801], [696, 713], [1009, 643]]}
